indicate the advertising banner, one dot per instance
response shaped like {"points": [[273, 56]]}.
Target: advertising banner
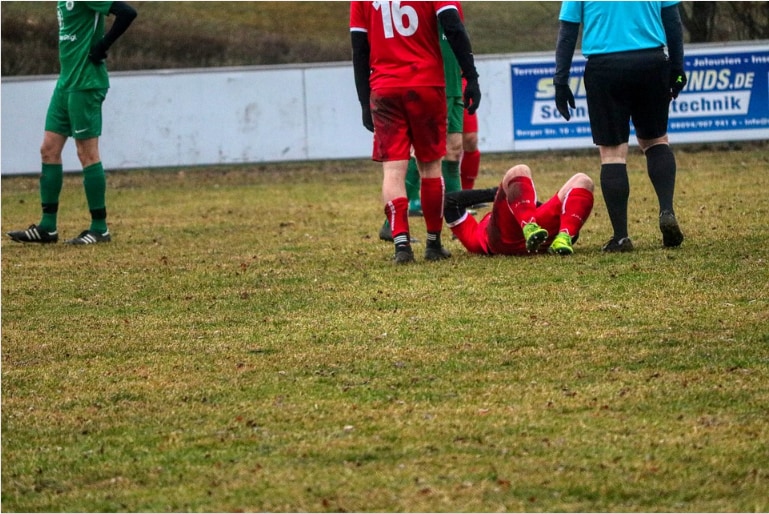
{"points": [[282, 113], [726, 99]]}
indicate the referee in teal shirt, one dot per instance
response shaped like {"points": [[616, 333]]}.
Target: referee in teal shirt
{"points": [[635, 67]]}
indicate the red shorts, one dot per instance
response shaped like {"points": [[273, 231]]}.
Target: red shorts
{"points": [[504, 233], [470, 122], [406, 117]]}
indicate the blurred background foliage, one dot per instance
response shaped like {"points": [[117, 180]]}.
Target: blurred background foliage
{"points": [[211, 34]]}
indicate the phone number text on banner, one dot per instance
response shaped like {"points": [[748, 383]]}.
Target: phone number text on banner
{"points": [[726, 99]]}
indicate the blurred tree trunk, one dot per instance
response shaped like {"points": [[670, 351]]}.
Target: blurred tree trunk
{"points": [[751, 19], [699, 20]]}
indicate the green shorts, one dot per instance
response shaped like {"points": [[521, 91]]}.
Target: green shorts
{"points": [[456, 113], [75, 113]]}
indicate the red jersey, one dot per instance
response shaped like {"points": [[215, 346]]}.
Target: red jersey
{"points": [[403, 37], [499, 233]]}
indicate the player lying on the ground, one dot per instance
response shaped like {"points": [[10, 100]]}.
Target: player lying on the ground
{"points": [[517, 223]]}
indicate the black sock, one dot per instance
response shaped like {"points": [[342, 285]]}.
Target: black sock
{"points": [[615, 188], [434, 240], [402, 242], [661, 166]]}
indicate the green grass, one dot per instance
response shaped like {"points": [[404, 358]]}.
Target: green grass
{"points": [[207, 34], [245, 343]]}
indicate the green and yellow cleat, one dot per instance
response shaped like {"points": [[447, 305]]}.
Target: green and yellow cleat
{"points": [[534, 235], [562, 244]]}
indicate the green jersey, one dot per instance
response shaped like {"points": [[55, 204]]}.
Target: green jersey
{"points": [[450, 66], [81, 25]]}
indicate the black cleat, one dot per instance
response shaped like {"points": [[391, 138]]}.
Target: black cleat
{"points": [[614, 246], [89, 237], [34, 235], [437, 253], [671, 232], [385, 233], [404, 256]]}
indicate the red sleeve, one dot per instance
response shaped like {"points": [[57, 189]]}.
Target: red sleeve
{"points": [[442, 6], [469, 235], [358, 19]]}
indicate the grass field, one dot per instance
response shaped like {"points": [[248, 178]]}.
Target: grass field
{"points": [[245, 344], [203, 34]]}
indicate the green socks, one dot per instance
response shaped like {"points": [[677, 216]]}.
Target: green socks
{"points": [[95, 183], [451, 176], [413, 181], [51, 180]]}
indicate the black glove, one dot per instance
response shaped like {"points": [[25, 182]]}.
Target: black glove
{"points": [[98, 52], [368, 121], [472, 96], [677, 81], [564, 96]]}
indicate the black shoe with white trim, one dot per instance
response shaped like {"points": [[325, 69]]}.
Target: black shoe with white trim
{"points": [[89, 237], [615, 245], [34, 234], [436, 253]]}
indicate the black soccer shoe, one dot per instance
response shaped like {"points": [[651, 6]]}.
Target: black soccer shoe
{"points": [[385, 233], [671, 232], [89, 237], [616, 246], [404, 256], [436, 253], [34, 234]]}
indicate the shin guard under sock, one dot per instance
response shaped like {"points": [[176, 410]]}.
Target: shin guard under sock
{"points": [[397, 212], [432, 203], [522, 199], [51, 180], [661, 167], [615, 188], [95, 184], [577, 206], [451, 179], [469, 167]]}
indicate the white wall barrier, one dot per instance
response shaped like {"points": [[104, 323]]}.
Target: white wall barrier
{"points": [[310, 112]]}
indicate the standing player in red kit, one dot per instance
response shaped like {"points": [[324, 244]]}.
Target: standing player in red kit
{"points": [[402, 90]]}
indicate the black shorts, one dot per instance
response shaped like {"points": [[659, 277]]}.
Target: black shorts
{"points": [[626, 86]]}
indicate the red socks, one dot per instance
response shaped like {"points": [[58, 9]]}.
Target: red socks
{"points": [[469, 167], [431, 192], [522, 199], [576, 208], [397, 212]]}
